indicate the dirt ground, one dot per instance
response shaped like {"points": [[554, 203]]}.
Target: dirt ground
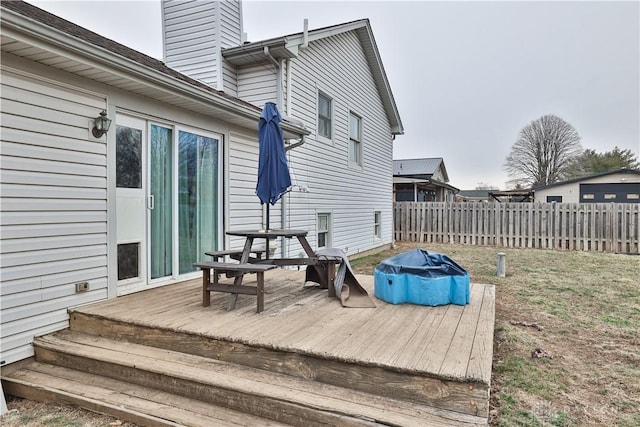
{"points": [[27, 413]]}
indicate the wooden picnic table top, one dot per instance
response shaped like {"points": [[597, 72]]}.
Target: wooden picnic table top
{"points": [[268, 234]]}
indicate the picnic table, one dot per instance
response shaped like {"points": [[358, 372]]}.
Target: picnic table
{"points": [[247, 264]]}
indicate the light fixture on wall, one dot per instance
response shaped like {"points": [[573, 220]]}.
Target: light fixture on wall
{"points": [[101, 125]]}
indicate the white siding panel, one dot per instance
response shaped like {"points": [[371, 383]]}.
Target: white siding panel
{"points": [[257, 84], [35, 218], [54, 280], [42, 243], [52, 192], [19, 346], [338, 67], [57, 180], [42, 269], [53, 167], [230, 76], [245, 211], [23, 312], [194, 34], [230, 23], [49, 255], [50, 141], [187, 24], [53, 217], [27, 325]]}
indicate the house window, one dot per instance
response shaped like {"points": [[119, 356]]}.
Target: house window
{"points": [[128, 157], [377, 222], [324, 115], [355, 139], [609, 196], [588, 196], [323, 226], [632, 196], [554, 199]]}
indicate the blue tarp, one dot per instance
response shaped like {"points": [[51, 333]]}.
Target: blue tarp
{"points": [[421, 277]]}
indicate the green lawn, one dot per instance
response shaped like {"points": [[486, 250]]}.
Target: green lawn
{"points": [[588, 307]]}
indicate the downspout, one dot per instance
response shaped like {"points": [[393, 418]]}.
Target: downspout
{"points": [[283, 207], [288, 64], [283, 200]]}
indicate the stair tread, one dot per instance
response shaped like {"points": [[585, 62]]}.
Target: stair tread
{"points": [[214, 373], [126, 400]]}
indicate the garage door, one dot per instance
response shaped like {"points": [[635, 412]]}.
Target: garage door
{"points": [[606, 193]]}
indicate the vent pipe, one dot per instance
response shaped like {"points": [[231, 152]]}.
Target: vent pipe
{"points": [[305, 34]]}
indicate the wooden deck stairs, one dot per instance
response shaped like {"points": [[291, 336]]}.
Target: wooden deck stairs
{"points": [[152, 375]]}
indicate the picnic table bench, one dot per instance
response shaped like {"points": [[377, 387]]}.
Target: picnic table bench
{"points": [[232, 270], [235, 254]]}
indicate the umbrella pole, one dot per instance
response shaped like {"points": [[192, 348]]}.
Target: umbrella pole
{"points": [[267, 230]]}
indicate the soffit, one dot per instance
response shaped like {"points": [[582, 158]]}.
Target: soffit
{"points": [[38, 42]]}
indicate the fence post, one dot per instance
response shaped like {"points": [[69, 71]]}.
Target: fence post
{"points": [[502, 264]]}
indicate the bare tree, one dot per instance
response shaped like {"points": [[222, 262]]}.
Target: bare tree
{"points": [[544, 149], [485, 186]]}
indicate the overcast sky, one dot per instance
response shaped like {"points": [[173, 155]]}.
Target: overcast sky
{"points": [[466, 76]]}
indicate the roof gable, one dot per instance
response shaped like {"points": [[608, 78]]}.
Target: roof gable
{"points": [[289, 46], [588, 177], [422, 168]]}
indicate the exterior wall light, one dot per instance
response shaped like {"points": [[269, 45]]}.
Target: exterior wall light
{"points": [[102, 124]]}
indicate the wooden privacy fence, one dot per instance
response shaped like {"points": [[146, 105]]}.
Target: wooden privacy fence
{"points": [[603, 227]]}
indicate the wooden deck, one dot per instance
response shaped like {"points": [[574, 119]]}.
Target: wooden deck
{"points": [[451, 345], [451, 342]]}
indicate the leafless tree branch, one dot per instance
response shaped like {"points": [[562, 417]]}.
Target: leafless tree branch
{"points": [[543, 151]]}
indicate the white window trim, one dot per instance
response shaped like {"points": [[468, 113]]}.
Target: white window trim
{"points": [[379, 224], [326, 94], [329, 228], [360, 142]]}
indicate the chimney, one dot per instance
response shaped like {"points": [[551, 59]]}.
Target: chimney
{"points": [[193, 40]]}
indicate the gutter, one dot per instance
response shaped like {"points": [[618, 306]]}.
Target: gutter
{"points": [[20, 27]]}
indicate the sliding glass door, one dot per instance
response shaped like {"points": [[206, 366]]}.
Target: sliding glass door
{"points": [[167, 201], [197, 197], [161, 201]]}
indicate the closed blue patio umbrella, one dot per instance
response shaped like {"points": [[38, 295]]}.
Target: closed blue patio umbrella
{"points": [[273, 172]]}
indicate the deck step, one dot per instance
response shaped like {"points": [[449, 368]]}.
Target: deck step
{"points": [[357, 373], [268, 395], [126, 401]]}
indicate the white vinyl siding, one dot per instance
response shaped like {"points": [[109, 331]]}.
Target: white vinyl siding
{"points": [[258, 84], [337, 65], [230, 76], [54, 208]]}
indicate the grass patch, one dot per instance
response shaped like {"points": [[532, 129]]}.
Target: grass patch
{"points": [[588, 305]]}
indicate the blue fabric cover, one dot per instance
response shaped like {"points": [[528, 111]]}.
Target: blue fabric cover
{"points": [[421, 277], [273, 171]]}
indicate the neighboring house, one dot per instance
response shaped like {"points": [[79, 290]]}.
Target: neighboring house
{"points": [[133, 209], [618, 186], [473, 195], [422, 180]]}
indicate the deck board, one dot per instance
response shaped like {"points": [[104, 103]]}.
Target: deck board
{"points": [[447, 341], [457, 358], [482, 351]]}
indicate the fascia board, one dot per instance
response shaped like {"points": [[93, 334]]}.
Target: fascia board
{"points": [[47, 38]]}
